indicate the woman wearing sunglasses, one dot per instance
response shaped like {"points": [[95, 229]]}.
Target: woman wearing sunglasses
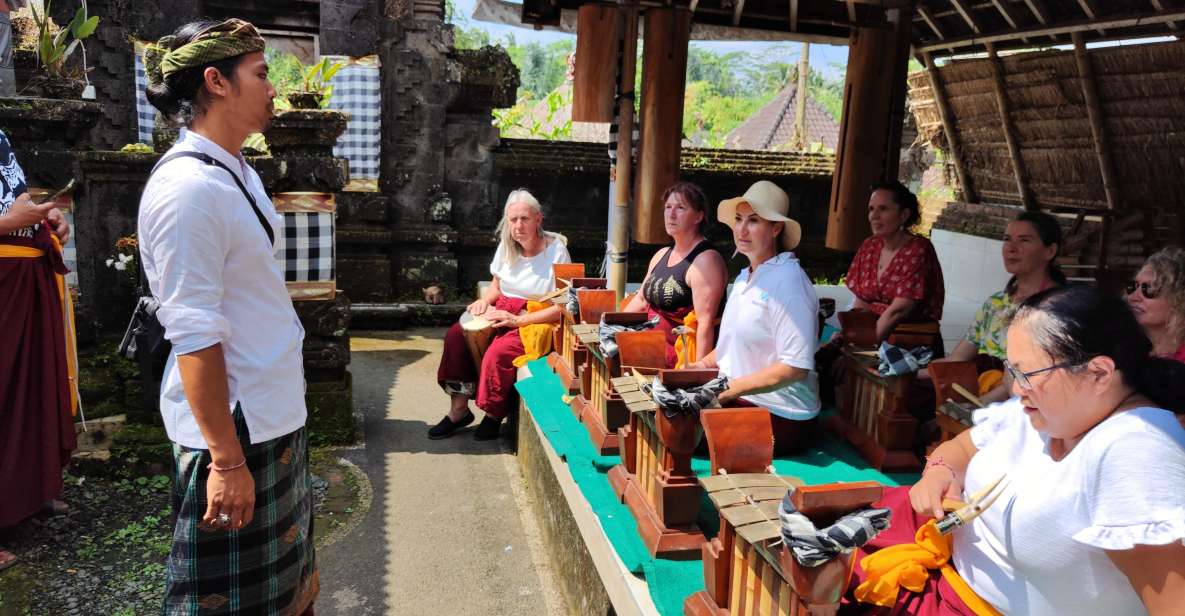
{"points": [[1157, 297], [1090, 517]]}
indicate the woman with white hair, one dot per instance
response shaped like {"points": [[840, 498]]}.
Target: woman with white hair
{"points": [[521, 271]]}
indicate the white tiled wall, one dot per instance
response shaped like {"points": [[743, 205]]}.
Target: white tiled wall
{"points": [[972, 269]]}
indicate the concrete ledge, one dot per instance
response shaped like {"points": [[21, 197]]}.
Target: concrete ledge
{"points": [[592, 578], [403, 315]]}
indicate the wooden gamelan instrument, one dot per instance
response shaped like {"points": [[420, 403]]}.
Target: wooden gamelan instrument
{"points": [[655, 479], [600, 409], [953, 408], [594, 300], [873, 409], [748, 571]]}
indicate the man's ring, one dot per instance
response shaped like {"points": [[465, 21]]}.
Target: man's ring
{"points": [[224, 519]]}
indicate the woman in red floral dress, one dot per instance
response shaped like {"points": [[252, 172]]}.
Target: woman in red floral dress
{"points": [[896, 273]]}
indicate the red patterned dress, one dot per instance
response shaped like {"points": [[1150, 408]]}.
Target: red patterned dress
{"points": [[914, 273]]}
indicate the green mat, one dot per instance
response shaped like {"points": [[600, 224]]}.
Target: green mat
{"points": [[670, 582]]}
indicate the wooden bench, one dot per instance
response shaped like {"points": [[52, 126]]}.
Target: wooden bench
{"points": [[873, 414], [599, 408], [748, 571]]}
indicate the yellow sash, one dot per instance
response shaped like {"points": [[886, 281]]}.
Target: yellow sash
{"points": [[685, 356], [536, 337], [908, 565], [8, 251]]}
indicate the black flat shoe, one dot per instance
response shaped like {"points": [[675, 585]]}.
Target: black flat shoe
{"points": [[488, 429], [447, 427]]}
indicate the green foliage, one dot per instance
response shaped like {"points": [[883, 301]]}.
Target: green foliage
{"points": [[464, 35], [55, 45], [710, 116], [528, 118], [285, 72], [318, 76]]}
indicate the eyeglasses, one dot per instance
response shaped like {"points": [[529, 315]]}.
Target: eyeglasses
{"points": [[1022, 378], [1149, 290]]}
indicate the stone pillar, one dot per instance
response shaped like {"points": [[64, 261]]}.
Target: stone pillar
{"points": [[349, 27], [876, 61]]}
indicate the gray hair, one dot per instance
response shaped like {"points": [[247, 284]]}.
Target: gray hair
{"points": [[511, 251]]}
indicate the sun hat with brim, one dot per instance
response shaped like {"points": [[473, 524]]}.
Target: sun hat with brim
{"points": [[770, 203]]}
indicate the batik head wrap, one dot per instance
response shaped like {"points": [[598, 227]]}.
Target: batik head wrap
{"points": [[231, 38]]}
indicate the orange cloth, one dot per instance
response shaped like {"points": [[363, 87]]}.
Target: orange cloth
{"points": [[908, 566], [686, 355], [537, 338], [25, 252]]}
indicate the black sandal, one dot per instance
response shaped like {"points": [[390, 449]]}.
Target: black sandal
{"points": [[489, 429], [447, 427]]}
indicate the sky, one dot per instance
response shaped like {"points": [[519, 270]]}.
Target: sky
{"points": [[827, 59]]}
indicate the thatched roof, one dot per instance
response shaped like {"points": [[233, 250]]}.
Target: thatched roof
{"points": [[772, 126]]}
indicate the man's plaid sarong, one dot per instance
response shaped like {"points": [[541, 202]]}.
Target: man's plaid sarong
{"points": [[266, 568]]}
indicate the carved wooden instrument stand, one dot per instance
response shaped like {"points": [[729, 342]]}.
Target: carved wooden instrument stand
{"points": [[953, 410], [594, 300]]}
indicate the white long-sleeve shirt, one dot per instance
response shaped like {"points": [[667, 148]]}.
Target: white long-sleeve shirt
{"points": [[209, 263]]}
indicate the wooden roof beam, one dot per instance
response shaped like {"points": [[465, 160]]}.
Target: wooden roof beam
{"points": [[1010, 138], [948, 127], [1158, 5], [794, 15], [1098, 122], [851, 10], [1081, 26], [737, 9], [931, 21], [1006, 11], [1091, 12], [965, 13]]}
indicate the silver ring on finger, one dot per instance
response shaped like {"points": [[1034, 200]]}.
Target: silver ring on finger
{"points": [[224, 519]]}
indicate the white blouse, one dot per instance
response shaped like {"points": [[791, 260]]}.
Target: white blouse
{"points": [[773, 317], [529, 277], [1041, 548]]}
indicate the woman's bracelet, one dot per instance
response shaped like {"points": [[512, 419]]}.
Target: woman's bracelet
{"points": [[223, 469], [932, 461]]}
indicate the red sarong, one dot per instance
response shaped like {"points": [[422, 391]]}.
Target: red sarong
{"points": [[937, 598], [495, 381], [36, 430], [667, 322]]}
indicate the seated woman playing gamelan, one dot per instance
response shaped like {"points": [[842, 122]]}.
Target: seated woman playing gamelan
{"points": [[522, 270], [1089, 517], [684, 282], [769, 330], [1030, 250], [896, 273], [1157, 297]]}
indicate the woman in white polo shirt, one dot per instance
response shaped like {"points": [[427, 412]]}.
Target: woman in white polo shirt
{"points": [[769, 330]]}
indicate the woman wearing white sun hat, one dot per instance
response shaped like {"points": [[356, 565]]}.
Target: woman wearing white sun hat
{"points": [[769, 330]]}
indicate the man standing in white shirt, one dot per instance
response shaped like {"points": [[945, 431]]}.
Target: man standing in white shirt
{"points": [[232, 397]]}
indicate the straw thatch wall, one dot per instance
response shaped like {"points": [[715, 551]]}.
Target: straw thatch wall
{"points": [[1142, 96]]}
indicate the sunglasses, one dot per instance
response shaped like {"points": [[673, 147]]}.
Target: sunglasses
{"points": [[1149, 290], [1022, 378]]}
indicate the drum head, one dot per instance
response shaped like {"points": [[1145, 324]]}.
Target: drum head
{"points": [[472, 323]]}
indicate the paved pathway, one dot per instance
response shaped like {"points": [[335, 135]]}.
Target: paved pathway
{"points": [[446, 533]]}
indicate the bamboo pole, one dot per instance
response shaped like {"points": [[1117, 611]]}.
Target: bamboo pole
{"points": [[948, 127], [800, 94], [1018, 165], [619, 232], [1080, 26], [1098, 129]]}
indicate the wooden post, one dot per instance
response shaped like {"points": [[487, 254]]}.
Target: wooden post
{"points": [[597, 33], [619, 233], [1098, 129], [664, 78], [948, 127], [1018, 163], [876, 58], [800, 94]]}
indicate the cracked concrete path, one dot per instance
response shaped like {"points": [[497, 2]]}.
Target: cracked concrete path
{"points": [[448, 532]]}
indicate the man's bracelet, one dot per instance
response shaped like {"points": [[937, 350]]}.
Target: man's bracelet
{"points": [[933, 461], [223, 469]]}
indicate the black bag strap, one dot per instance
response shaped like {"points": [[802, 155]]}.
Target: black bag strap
{"points": [[210, 160]]}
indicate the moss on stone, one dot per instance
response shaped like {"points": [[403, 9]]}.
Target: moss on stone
{"points": [[331, 412], [142, 443], [109, 384]]}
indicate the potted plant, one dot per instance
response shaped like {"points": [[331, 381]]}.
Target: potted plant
{"points": [[54, 46], [315, 89]]}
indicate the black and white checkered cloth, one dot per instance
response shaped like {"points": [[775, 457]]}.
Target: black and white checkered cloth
{"points": [[607, 334], [305, 247], [357, 91], [812, 547], [690, 401], [145, 112], [896, 361]]}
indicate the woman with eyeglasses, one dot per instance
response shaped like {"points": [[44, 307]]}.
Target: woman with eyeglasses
{"points": [[1090, 517], [1157, 297], [1030, 249]]}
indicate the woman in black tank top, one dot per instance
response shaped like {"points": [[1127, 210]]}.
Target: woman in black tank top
{"points": [[690, 275]]}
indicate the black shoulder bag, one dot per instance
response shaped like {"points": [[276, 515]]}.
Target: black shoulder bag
{"points": [[144, 340]]}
